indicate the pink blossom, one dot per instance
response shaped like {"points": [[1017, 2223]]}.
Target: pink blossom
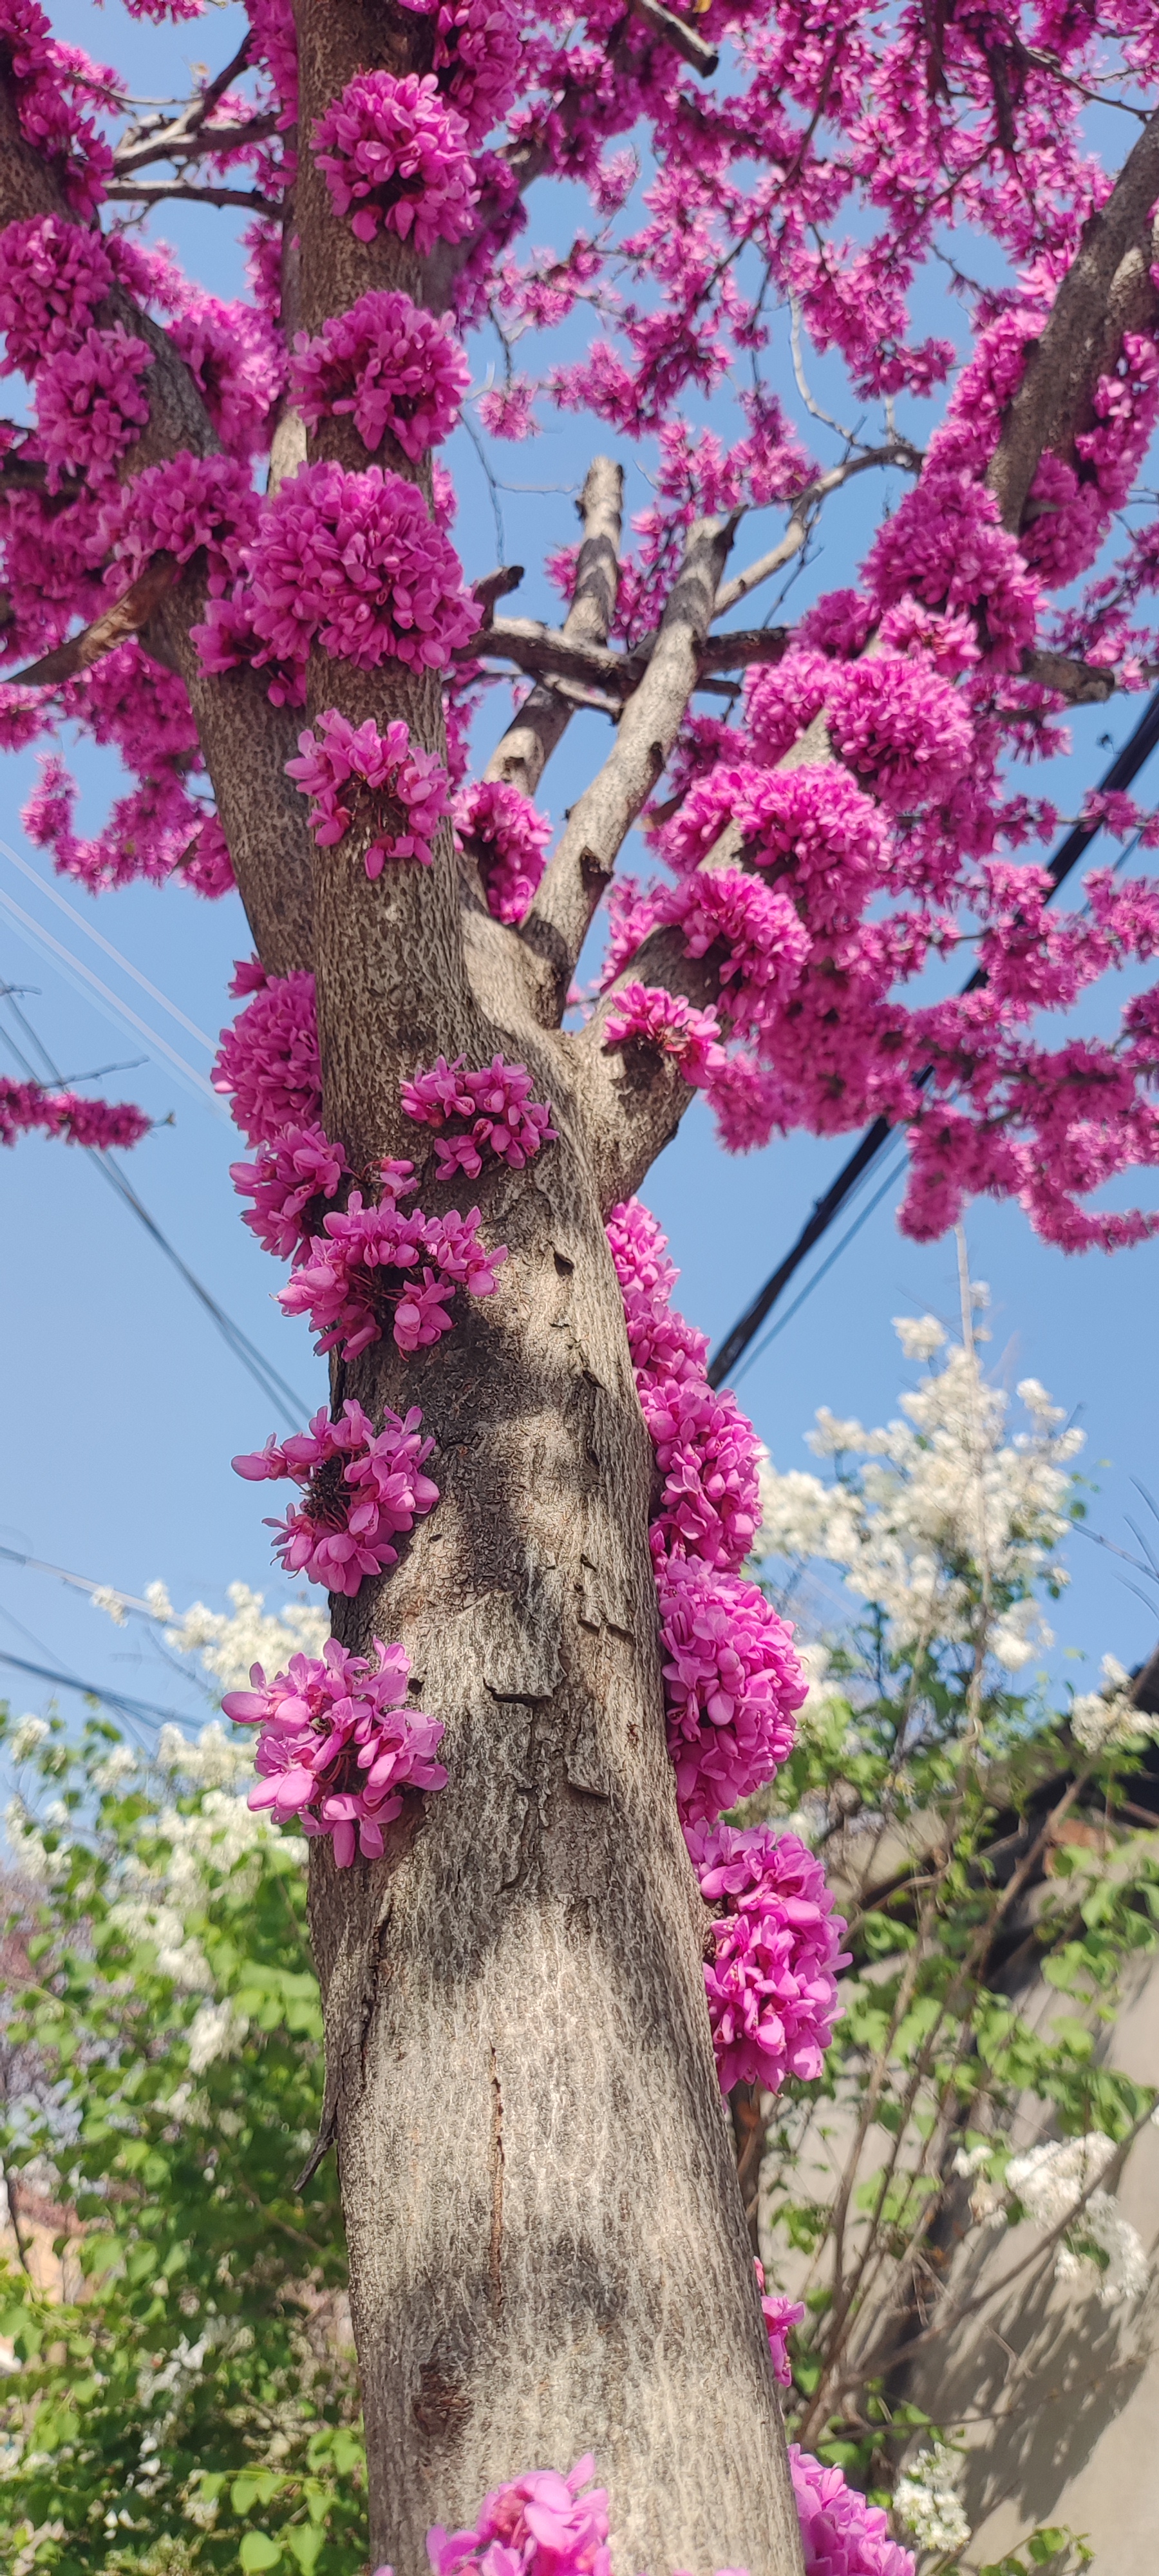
{"points": [[707, 1453], [392, 149], [236, 362], [337, 1746], [731, 1683], [505, 410], [901, 727], [293, 1172], [178, 507], [780, 2316], [362, 1490], [374, 1266], [390, 365], [782, 699], [89, 405], [946, 544], [772, 1988], [764, 944], [506, 836], [356, 775], [95, 1123], [476, 1113], [647, 1015], [269, 1060], [52, 277], [841, 2534], [539, 2525], [476, 58], [355, 560]]}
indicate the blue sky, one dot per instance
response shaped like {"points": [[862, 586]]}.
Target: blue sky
{"points": [[122, 1407]]}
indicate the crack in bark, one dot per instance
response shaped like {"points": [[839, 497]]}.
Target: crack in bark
{"points": [[496, 2248]]}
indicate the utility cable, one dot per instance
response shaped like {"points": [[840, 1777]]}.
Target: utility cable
{"points": [[138, 1712], [108, 1001], [99, 941], [274, 1387], [1124, 767]]}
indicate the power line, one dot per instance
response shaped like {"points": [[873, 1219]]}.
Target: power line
{"points": [[110, 1001], [139, 1712], [99, 941], [1124, 767], [272, 1384], [782, 1320], [81, 1582]]}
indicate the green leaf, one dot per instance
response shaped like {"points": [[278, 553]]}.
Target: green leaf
{"points": [[306, 2540], [258, 2550]]}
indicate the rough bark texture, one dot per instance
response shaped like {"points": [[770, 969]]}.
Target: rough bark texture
{"points": [[1105, 292], [547, 2246]]}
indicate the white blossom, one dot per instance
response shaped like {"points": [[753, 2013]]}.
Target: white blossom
{"points": [[944, 1485], [112, 1603], [179, 1955], [920, 1335], [27, 1736], [229, 1642], [1103, 1720], [1050, 2181], [927, 2500], [216, 2030], [118, 1765], [216, 1761]]}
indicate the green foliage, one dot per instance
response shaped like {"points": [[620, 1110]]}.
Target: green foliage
{"points": [[190, 2402]]}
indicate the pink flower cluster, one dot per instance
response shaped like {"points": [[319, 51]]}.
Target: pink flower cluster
{"points": [[268, 1064], [945, 543], [355, 560], [45, 74], [476, 58], [488, 1112], [52, 277], [362, 1490], [539, 2525], [772, 1986], [337, 1745], [178, 507], [543, 2525], [354, 773], [374, 1266], [780, 2316], [96, 1123], [391, 366], [648, 1015], [731, 1679], [731, 1684], [89, 404], [841, 2535], [764, 945], [391, 149], [507, 837], [294, 1171]]}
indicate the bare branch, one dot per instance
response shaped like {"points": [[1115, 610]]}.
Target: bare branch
{"points": [[520, 759], [493, 586], [1081, 682], [548, 652], [193, 147], [127, 617], [1107, 290], [151, 192], [899, 451], [682, 38], [191, 119], [558, 922]]}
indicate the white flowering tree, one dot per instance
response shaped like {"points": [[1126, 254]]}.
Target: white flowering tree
{"points": [[953, 1808]]}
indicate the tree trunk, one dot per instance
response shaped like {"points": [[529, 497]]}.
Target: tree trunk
{"points": [[547, 2246]]}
